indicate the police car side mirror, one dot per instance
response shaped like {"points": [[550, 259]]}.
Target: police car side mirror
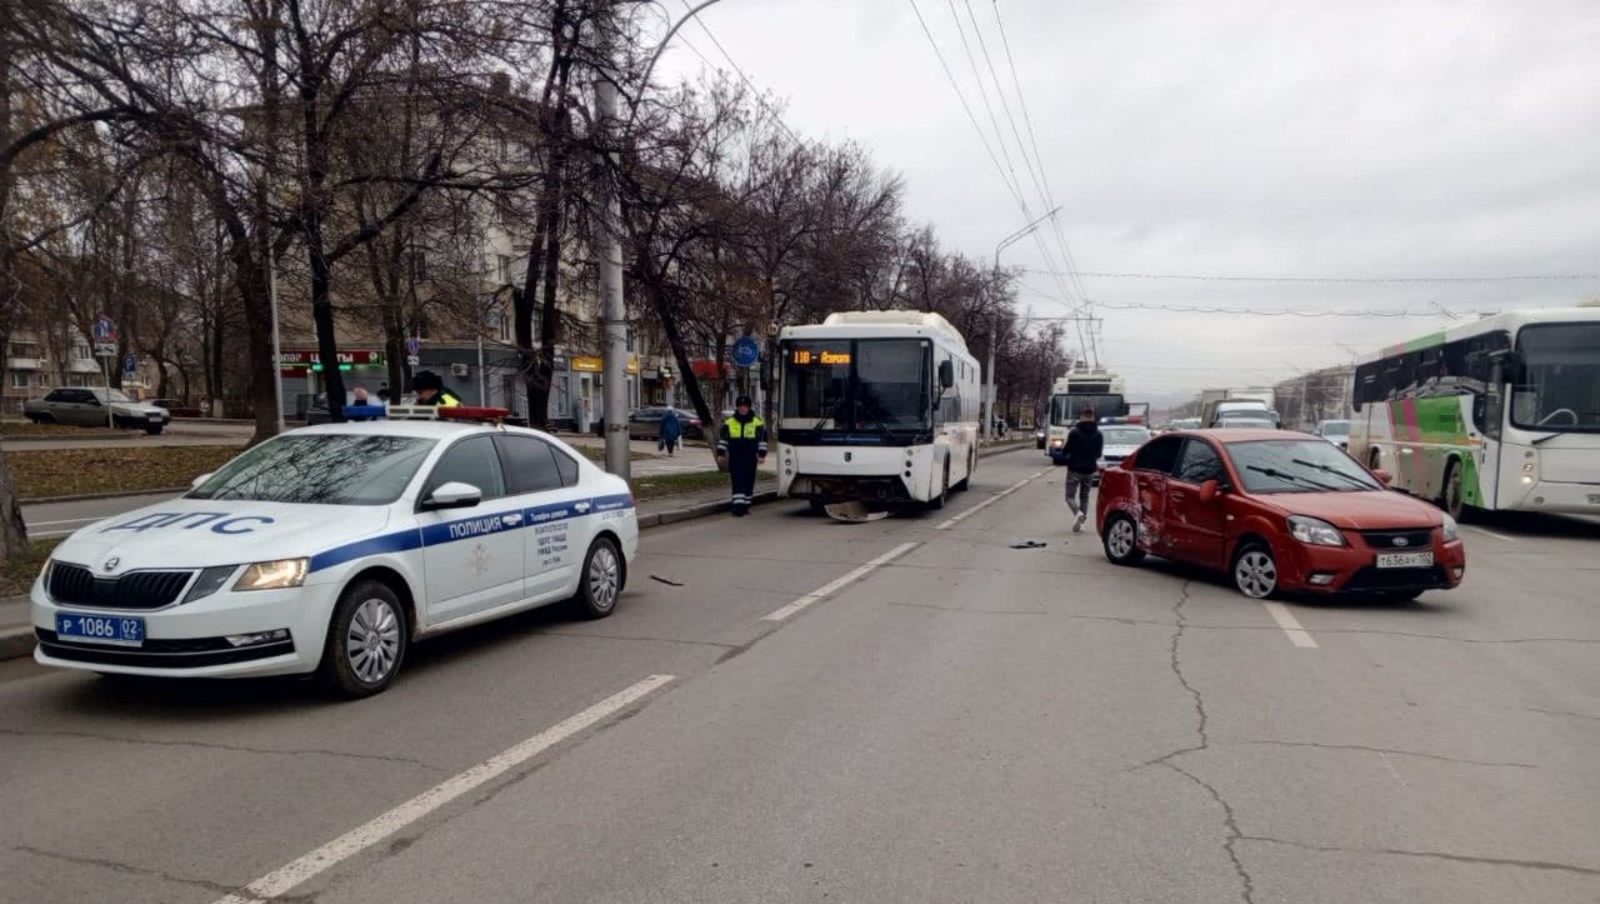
{"points": [[453, 495]]}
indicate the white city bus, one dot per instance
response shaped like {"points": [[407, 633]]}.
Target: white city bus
{"points": [[1077, 390], [879, 407], [1499, 414]]}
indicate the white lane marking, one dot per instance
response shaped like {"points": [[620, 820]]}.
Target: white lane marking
{"points": [[1290, 625], [990, 501], [839, 583], [1489, 533], [282, 880]]}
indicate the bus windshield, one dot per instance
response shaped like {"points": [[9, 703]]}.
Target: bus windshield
{"points": [[1065, 408], [856, 385], [1560, 385]]}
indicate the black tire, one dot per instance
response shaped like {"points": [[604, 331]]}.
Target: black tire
{"points": [[1120, 539], [1450, 498], [602, 580], [43, 418], [1255, 571], [818, 505], [370, 617], [937, 502], [154, 429]]}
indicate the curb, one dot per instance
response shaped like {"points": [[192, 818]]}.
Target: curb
{"points": [[30, 438], [16, 643], [991, 452], [90, 497], [702, 510]]}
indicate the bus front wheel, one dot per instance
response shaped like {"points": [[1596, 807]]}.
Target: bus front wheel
{"points": [[1450, 497]]}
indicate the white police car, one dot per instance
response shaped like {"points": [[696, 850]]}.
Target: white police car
{"points": [[330, 549]]}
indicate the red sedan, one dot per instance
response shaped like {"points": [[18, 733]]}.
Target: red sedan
{"points": [[1279, 512]]}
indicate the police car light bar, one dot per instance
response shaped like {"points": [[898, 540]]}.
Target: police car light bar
{"points": [[436, 413]]}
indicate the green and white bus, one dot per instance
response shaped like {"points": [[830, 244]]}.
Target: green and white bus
{"points": [[1499, 414]]}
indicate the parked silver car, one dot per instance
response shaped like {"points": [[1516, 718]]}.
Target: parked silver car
{"points": [[96, 407]]}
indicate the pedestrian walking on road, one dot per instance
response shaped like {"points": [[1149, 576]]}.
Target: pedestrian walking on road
{"points": [[742, 443], [671, 432], [1083, 449]]}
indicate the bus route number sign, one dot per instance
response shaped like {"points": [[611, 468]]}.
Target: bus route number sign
{"points": [[806, 357]]}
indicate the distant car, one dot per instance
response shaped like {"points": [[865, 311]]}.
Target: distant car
{"points": [[87, 407], [1278, 512], [1121, 442], [1246, 421], [176, 408], [645, 423], [1336, 432], [1186, 423], [330, 550], [1039, 435]]}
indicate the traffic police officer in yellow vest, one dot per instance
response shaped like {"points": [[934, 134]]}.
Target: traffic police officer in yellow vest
{"points": [[743, 443]]}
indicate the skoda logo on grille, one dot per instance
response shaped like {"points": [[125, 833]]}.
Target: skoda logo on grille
{"points": [[1401, 541], [112, 563]]}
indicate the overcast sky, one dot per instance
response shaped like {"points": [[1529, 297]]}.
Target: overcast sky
{"points": [[1337, 139]]}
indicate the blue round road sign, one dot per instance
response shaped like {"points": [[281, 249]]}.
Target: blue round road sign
{"points": [[746, 351]]}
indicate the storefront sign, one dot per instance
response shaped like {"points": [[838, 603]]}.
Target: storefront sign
{"points": [[587, 364]]}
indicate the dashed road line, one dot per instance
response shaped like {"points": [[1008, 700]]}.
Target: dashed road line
{"points": [[837, 584], [1290, 625], [990, 501], [284, 879]]}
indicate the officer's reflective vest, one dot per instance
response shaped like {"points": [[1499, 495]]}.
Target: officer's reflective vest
{"points": [[738, 429]]}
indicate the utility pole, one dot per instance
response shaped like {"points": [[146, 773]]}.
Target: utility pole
{"points": [[613, 311], [994, 331], [608, 245]]}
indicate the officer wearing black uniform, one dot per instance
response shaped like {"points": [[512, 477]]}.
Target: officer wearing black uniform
{"points": [[743, 442], [430, 390]]}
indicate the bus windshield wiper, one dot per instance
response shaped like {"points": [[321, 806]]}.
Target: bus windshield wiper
{"points": [[1328, 469], [1276, 474]]}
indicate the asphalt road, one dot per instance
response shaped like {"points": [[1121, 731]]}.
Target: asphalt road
{"points": [[962, 721]]}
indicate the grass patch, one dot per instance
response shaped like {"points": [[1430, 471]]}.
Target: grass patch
{"points": [[41, 474], [658, 486], [17, 574], [28, 428]]}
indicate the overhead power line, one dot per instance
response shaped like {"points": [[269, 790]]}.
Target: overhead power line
{"points": [[1260, 312], [743, 77], [1340, 280]]}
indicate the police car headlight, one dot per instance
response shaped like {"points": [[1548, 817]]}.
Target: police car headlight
{"points": [[274, 575]]}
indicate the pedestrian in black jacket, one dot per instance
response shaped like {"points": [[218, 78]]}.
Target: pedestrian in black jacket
{"points": [[1083, 449]]}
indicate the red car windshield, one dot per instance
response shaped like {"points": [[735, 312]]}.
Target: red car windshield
{"points": [[1298, 466]]}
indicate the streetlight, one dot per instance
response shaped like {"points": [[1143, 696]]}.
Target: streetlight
{"points": [[994, 332], [608, 250]]}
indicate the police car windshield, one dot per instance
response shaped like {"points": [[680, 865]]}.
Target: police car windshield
{"points": [[320, 469]]}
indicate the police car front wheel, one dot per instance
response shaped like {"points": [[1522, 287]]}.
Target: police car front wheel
{"points": [[602, 580], [366, 640]]}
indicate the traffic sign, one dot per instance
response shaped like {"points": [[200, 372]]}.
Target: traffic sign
{"points": [[104, 330], [105, 349], [746, 351], [413, 346], [130, 364], [412, 360]]}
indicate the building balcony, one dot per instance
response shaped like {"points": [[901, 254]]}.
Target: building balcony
{"points": [[24, 364]]}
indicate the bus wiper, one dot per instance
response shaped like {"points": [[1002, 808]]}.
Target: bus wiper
{"points": [[1328, 469], [1276, 474]]}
